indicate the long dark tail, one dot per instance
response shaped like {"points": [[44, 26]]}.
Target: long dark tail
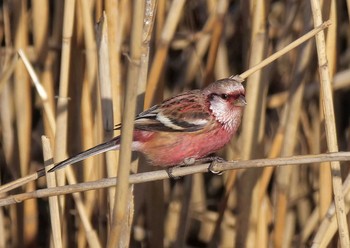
{"points": [[113, 144]]}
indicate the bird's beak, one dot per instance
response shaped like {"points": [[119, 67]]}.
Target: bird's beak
{"points": [[240, 101]]}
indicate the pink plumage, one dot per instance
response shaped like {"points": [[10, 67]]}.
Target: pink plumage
{"points": [[189, 125]]}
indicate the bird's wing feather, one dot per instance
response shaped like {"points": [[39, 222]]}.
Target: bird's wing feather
{"points": [[184, 113]]}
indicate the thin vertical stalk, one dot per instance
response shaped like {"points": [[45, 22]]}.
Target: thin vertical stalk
{"points": [[252, 127], [53, 200], [331, 133], [115, 28], [221, 9], [325, 171], [40, 28], [62, 101], [170, 25], [120, 226]]}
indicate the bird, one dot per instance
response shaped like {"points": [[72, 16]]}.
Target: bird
{"points": [[187, 126]]}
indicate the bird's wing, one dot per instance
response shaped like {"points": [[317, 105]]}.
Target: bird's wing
{"points": [[183, 113]]}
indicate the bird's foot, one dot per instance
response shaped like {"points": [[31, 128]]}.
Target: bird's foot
{"points": [[185, 162], [191, 161], [213, 160], [169, 171]]}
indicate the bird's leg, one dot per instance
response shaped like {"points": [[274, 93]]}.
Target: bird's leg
{"points": [[186, 162], [169, 171], [192, 161], [212, 160]]}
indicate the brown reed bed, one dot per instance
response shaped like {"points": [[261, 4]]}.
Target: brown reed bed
{"points": [[70, 70]]}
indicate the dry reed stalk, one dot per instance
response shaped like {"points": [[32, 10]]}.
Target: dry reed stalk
{"points": [[53, 200], [22, 91], [90, 110], [70, 175], [90, 233], [40, 29], [6, 110], [220, 11], [293, 108], [160, 18], [329, 225], [60, 148], [62, 101], [170, 25], [172, 220], [331, 134], [178, 172], [184, 214], [106, 98], [120, 225], [264, 219], [3, 230], [286, 49], [153, 193], [201, 46], [262, 186], [88, 141], [6, 106], [222, 62], [252, 128], [325, 171], [27, 226], [229, 185], [48, 84], [105, 80], [8, 69], [115, 38], [7, 129], [40, 90]]}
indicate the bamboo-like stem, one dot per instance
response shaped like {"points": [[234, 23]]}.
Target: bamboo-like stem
{"points": [[41, 91], [106, 91], [178, 172], [91, 234], [253, 126], [329, 225], [114, 32], [293, 109], [8, 71], [120, 226], [53, 200], [62, 101], [40, 28], [60, 148], [221, 9], [153, 194], [27, 227], [325, 175], [170, 25], [331, 133], [286, 49]]}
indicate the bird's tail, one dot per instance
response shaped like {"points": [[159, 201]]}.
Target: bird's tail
{"points": [[112, 144]]}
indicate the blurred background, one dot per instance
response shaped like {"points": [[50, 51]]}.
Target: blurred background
{"points": [[85, 52]]}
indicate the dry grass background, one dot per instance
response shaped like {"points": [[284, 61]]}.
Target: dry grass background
{"points": [[91, 76]]}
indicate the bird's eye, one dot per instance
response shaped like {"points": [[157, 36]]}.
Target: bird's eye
{"points": [[224, 96]]}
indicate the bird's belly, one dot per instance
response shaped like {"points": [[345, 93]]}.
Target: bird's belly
{"points": [[169, 149]]}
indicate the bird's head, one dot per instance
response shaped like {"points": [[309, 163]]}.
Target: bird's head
{"points": [[226, 101]]}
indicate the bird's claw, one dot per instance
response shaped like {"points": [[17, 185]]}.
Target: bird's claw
{"points": [[169, 171], [189, 161], [214, 161]]}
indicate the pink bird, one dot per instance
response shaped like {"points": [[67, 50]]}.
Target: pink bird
{"points": [[187, 126]]}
